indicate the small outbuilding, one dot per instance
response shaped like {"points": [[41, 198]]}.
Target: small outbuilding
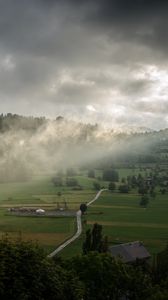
{"points": [[130, 252], [40, 211]]}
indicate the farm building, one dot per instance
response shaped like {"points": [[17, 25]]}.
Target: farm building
{"points": [[130, 252], [40, 211]]}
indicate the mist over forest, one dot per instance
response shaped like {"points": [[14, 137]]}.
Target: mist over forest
{"points": [[31, 145]]}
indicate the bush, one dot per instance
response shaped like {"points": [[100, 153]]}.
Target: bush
{"points": [[112, 186], [144, 201], [110, 175], [57, 181], [123, 188], [96, 186], [72, 182], [26, 273]]}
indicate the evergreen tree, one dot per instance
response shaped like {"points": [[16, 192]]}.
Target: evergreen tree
{"points": [[95, 241]]}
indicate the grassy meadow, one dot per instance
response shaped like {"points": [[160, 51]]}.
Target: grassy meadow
{"points": [[122, 218], [39, 192]]}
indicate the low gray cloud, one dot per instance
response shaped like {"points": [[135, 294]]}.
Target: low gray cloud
{"points": [[97, 61]]}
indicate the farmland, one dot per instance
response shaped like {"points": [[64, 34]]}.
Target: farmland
{"points": [[122, 218], [40, 192]]}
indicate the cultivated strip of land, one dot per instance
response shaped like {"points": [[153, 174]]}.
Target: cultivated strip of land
{"points": [[115, 206], [130, 224]]}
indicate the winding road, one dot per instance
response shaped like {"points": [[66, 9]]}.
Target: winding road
{"points": [[79, 227]]}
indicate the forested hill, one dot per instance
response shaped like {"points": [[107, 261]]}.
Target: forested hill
{"points": [[15, 122], [30, 144], [11, 121]]}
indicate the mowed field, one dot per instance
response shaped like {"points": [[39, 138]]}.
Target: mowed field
{"points": [[40, 192], [123, 220]]}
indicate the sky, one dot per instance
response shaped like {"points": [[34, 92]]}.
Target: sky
{"points": [[91, 60]]}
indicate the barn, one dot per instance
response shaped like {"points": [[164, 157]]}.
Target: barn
{"points": [[130, 252]]}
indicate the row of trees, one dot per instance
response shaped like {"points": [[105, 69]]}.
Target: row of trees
{"points": [[108, 175], [14, 121], [67, 179], [26, 274], [70, 181]]}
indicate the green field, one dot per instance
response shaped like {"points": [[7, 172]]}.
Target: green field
{"points": [[122, 218], [48, 232], [40, 192]]}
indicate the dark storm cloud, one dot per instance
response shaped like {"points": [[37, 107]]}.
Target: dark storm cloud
{"points": [[36, 25], [43, 26], [143, 21], [91, 57]]}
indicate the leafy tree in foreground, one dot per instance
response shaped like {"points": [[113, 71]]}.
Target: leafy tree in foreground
{"points": [[26, 274], [107, 278], [162, 264]]}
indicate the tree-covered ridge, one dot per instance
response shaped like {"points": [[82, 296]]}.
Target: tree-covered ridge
{"points": [[29, 145], [16, 122], [26, 273]]}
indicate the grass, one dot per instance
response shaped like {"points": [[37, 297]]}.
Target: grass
{"points": [[47, 231], [124, 172], [40, 192], [131, 222], [122, 218]]}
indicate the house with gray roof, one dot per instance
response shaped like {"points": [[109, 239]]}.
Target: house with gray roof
{"points": [[130, 252]]}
